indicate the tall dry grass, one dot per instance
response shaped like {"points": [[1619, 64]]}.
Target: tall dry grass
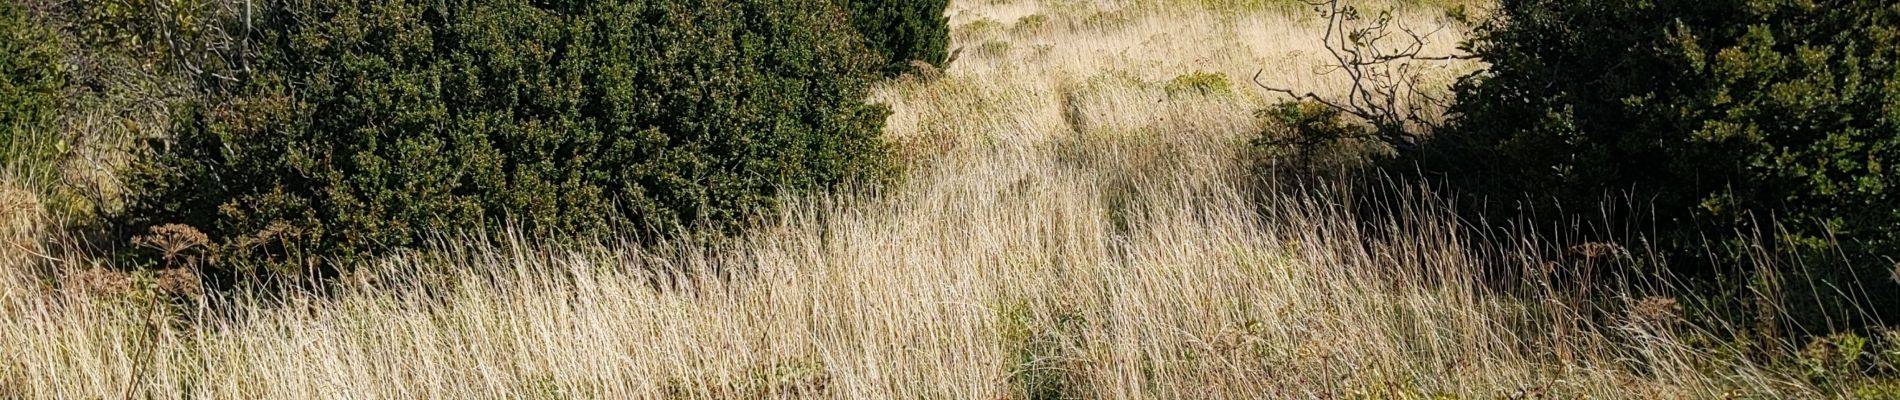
{"points": [[1069, 228]]}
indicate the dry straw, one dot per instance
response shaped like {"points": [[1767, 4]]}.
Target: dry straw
{"points": [[1067, 229]]}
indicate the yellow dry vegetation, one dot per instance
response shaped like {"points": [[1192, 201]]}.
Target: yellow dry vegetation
{"points": [[1069, 227]]}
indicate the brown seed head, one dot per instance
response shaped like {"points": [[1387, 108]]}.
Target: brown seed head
{"points": [[171, 240], [180, 282]]}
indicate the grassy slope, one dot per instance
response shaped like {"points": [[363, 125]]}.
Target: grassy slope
{"points": [[1070, 228]]}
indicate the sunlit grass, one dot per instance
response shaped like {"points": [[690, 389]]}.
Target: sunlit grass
{"points": [[1077, 222]]}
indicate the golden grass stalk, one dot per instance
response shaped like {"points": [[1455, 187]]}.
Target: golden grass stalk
{"points": [[1068, 228]]}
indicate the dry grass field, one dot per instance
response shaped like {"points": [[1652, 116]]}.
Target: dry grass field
{"points": [[1076, 222]]}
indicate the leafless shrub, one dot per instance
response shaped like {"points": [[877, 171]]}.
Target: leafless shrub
{"points": [[1382, 58], [207, 40]]}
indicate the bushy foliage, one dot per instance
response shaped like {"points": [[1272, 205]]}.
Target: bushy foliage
{"points": [[1712, 118], [366, 126], [30, 81], [1857, 367], [91, 62], [1306, 138], [903, 31]]}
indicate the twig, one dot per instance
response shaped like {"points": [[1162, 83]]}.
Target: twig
{"points": [[1384, 87]]}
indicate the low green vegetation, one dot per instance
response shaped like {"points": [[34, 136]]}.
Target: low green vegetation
{"points": [[1308, 139], [31, 79], [1712, 126], [1862, 367], [1737, 154], [1041, 367], [1710, 135], [903, 31], [1660, 199], [364, 127], [1030, 24], [1201, 83]]}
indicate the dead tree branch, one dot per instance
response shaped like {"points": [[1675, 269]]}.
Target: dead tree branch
{"points": [[1383, 61]]}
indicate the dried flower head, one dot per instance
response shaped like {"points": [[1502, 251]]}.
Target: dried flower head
{"points": [[179, 282], [172, 240]]}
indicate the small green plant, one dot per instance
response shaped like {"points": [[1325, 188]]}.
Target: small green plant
{"points": [[1200, 83], [1833, 358], [1105, 20], [993, 49], [1851, 366], [1039, 345], [1031, 23], [1310, 138], [978, 29]]}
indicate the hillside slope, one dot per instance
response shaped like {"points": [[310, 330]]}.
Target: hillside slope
{"points": [[1077, 222]]}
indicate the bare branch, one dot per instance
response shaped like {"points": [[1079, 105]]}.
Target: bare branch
{"points": [[1383, 76]]}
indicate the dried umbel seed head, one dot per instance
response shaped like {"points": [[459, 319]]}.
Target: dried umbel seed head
{"points": [[172, 240], [180, 282]]}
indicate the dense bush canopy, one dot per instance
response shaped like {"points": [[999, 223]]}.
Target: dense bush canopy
{"points": [[1712, 118], [30, 81], [903, 31], [366, 125]]}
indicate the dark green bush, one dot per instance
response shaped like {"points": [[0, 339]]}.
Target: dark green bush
{"points": [[367, 126], [903, 31], [30, 81], [1306, 138], [1712, 119]]}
